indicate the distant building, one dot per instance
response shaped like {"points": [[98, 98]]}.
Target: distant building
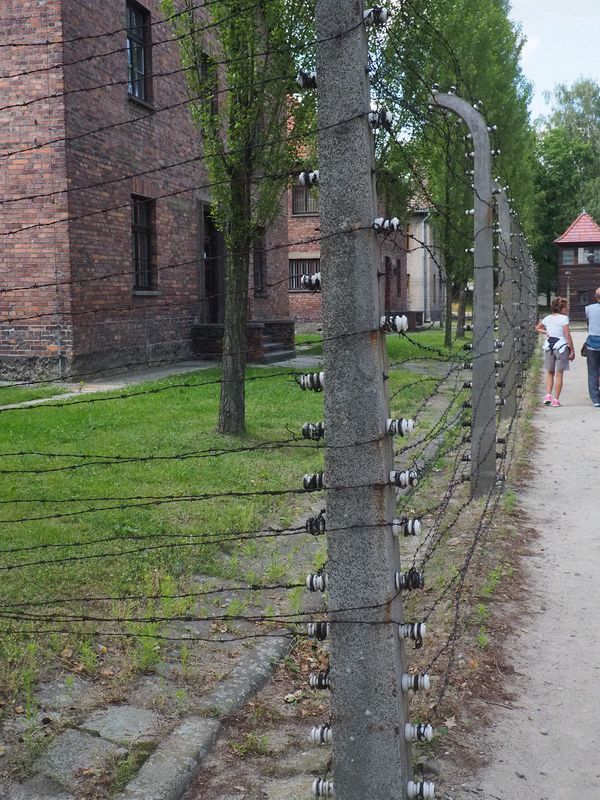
{"points": [[409, 265], [579, 264], [426, 287], [106, 199]]}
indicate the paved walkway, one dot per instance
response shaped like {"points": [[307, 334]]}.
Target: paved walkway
{"points": [[547, 746], [133, 377]]}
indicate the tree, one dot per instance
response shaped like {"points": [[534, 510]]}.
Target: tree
{"points": [[476, 48], [567, 174], [246, 60], [563, 169]]}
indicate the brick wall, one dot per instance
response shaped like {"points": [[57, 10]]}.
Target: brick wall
{"points": [[95, 322], [273, 303], [305, 306], [113, 323], [32, 329]]}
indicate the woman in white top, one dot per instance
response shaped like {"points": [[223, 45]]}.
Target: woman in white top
{"points": [[558, 348]]}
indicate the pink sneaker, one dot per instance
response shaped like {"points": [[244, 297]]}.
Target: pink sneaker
{"points": [[547, 400], [555, 402]]}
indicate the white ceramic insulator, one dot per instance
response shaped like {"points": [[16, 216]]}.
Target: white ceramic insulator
{"points": [[411, 732], [322, 788], [399, 426], [375, 16], [316, 583], [406, 527], [321, 734], [313, 627], [408, 682], [412, 630], [422, 790]]}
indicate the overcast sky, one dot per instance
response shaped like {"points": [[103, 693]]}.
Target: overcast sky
{"points": [[562, 43]]}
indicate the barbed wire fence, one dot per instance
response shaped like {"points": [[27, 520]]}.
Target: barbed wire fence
{"points": [[379, 511]]}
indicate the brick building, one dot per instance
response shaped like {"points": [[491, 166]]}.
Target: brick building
{"points": [[97, 128], [304, 258], [413, 282], [579, 264]]}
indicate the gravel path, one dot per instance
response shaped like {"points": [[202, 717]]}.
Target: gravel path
{"points": [[547, 746]]}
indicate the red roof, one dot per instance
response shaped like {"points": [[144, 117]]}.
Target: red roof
{"points": [[582, 231]]}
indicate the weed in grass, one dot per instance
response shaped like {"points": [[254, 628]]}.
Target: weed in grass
{"points": [[510, 501], [184, 660], [492, 580], [295, 599], [251, 744], [262, 713], [125, 768], [482, 639], [290, 663], [181, 701], [235, 607], [147, 648], [276, 571], [88, 657]]}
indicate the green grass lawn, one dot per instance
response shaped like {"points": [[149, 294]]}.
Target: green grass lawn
{"points": [[20, 394], [127, 549]]}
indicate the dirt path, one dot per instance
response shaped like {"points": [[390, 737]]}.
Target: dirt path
{"points": [[547, 746]]}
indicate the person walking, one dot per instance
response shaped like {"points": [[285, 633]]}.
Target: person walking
{"points": [[592, 313], [558, 348]]}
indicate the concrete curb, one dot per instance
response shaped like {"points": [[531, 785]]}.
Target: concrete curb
{"points": [[169, 771]]}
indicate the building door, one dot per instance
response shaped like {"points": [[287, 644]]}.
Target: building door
{"points": [[212, 252]]}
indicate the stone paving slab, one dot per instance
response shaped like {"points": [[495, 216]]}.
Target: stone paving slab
{"points": [[39, 788], [296, 788], [248, 676], [169, 770], [63, 694], [72, 752], [123, 724]]}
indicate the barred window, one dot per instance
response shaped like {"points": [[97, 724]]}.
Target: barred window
{"points": [[305, 200], [138, 47], [302, 266], [142, 239]]}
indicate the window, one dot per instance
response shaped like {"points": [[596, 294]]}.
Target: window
{"points": [[589, 255], [260, 265], [302, 266], [398, 277], [138, 46], [208, 81], [142, 213], [304, 200], [568, 256], [582, 298]]}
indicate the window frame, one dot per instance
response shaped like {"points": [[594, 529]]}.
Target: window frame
{"points": [[573, 252], [138, 43], [143, 233], [311, 267], [310, 201]]}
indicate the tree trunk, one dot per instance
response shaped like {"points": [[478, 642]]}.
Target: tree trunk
{"points": [[232, 408], [448, 316]]}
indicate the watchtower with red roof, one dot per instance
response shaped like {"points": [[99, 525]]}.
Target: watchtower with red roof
{"points": [[579, 263]]}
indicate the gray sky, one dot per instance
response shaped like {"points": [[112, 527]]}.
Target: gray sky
{"points": [[562, 43]]}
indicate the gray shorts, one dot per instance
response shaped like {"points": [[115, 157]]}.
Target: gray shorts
{"points": [[557, 362]]}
